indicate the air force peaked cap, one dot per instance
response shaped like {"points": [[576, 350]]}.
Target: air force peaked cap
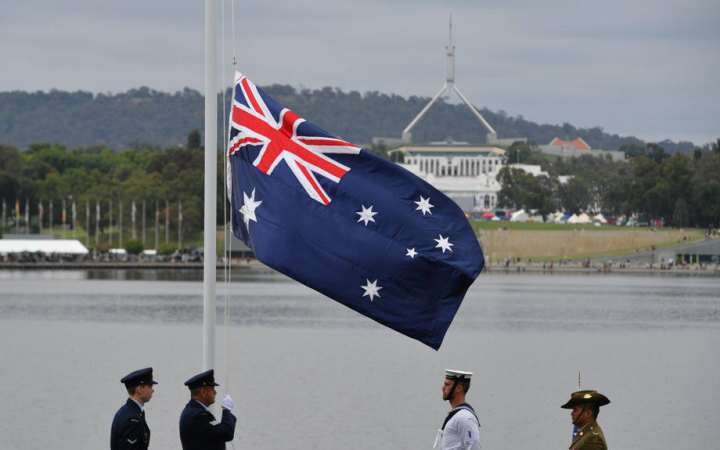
{"points": [[457, 374], [139, 377], [586, 397], [206, 378]]}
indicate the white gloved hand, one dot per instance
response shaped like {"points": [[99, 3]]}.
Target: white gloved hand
{"points": [[228, 403]]}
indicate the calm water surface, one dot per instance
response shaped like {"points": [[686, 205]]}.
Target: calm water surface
{"points": [[307, 373]]}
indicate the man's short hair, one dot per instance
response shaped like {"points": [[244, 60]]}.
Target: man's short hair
{"points": [[194, 392], [131, 390], [592, 407], [465, 383]]}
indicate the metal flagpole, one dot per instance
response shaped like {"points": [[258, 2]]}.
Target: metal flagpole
{"points": [[133, 212], [27, 216], [180, 220], [167, 221], [74, 219], [143, 223], [97, 222], [87, 223], [110, 223], [40, 216], [157, 226], [120, 224], [210, 252]]}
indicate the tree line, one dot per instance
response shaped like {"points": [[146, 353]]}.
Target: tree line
{"points": [[680, 190], [164, 180], [146, 117]]}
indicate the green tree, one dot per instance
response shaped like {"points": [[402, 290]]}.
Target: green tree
{"points": [[681, 214], [10, 173], [715, 146], [523, 190], [134, 247], [574, 195], [194, 140], [656, 152], [705, 206], [632, 150], [518, 153]]}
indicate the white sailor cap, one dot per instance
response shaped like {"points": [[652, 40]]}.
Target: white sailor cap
{"points": [[457, 374]]}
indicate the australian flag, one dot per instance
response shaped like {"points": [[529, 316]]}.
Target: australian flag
{"points": [[353, 226]]}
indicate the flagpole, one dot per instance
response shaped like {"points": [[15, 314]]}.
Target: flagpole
{"points": [[210, 252]]}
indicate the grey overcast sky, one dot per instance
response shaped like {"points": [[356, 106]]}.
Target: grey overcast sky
{"points": [[648, 68]]}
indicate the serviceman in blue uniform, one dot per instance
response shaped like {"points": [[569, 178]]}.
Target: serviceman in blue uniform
{"points": [[198, 428], [129, 429]]}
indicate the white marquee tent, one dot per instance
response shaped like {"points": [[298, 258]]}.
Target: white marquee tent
{"points": [[519, 216], [581, 219], [47, 246]]}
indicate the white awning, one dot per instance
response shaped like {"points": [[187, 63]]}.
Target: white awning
{"points": [[57, 246]]}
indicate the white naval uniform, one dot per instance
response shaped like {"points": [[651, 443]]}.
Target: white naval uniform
{"points": [[462, 432]]}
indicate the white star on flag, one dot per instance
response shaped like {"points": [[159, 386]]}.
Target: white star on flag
{"points": [[443, 243], [248, 208], [424, 205], [371, 289], [411, 253], [366, 215]]}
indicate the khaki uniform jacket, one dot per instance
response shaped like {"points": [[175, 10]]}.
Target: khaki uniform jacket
{"points": [[590, 437]]}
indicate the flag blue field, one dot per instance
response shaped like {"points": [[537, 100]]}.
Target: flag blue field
{"points": [[351, 225]]}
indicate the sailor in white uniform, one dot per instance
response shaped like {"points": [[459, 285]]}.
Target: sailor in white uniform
{"points": [[461, 428]]}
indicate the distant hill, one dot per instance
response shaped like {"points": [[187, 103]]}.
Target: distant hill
{"points": [[147, 117]]}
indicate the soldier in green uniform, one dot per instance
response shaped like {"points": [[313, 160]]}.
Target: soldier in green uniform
{"points": [[585, 407]]}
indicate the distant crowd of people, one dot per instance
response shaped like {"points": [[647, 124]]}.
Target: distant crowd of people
{"points": [[529, 265]]}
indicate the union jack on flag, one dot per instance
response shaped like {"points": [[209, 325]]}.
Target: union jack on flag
{"points": [[356, 227], [276, 130]]}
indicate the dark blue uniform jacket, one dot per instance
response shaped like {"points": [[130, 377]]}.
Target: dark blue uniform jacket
{"points": [[129, 430], [197, 433]]}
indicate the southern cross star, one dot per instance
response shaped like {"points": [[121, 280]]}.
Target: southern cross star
{"points": [[371, 289], [444, 243], [248, 208], [366, 215], [424, 205], [411, 253]]}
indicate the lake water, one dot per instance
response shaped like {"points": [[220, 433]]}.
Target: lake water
{"points": [[307, 373]]}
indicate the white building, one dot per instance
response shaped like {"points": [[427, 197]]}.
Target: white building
{"points": [[576, 148], [465, 173], [532, 169]]}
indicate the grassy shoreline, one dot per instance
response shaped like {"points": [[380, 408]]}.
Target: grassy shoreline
{"points": [[547, 242]]}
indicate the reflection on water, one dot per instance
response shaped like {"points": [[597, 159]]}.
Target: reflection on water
{"points": [[175, 274], [495, 301]]}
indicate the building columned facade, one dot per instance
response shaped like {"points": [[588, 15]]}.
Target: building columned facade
{"points": [[465, 173]]}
